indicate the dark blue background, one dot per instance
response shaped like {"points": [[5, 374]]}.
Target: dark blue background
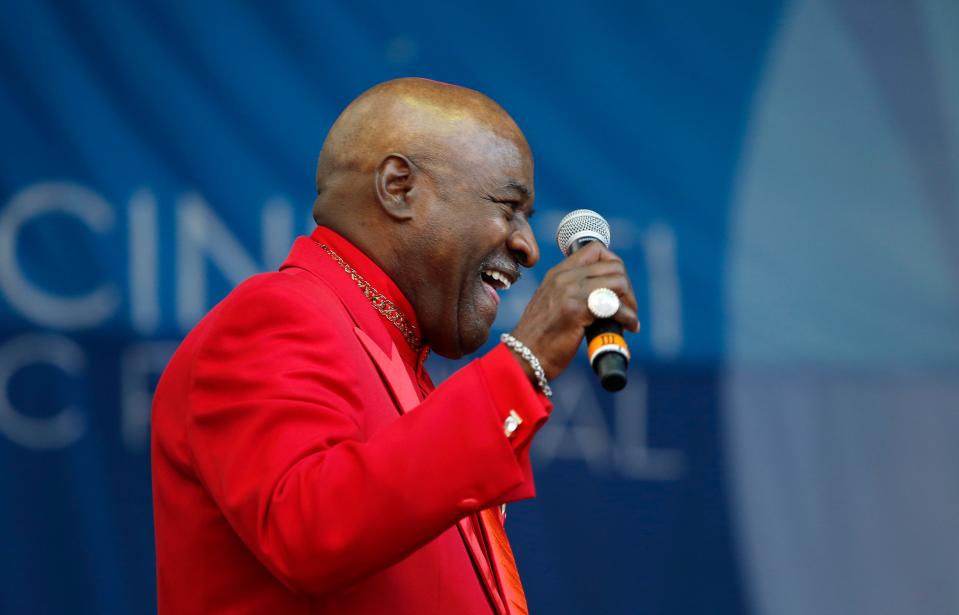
{"points": [[637, 110]]}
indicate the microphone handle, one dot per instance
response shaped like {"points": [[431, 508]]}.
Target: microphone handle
{"points": [[607, 352], [606, 346]]}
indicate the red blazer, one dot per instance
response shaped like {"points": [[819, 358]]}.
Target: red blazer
{"points": [[287, 478]]}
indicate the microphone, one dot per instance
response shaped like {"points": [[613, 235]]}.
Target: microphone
{"points": [[608, 353]]}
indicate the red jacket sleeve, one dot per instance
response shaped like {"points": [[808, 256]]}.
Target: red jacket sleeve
{"points": [[272, 429], [511, 390]]}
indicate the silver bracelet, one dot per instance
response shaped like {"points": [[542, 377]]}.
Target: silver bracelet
{"points": [[530, 358]]}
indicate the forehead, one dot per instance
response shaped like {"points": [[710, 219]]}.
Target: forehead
{"points": [[491, 156]]}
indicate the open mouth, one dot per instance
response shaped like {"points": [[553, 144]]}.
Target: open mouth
{"points": [[495, 282]]}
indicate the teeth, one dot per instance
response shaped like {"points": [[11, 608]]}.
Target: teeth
{"points": [[496, 275]]}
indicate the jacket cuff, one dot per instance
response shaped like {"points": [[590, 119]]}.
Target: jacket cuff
{"points": [[515, 398]]}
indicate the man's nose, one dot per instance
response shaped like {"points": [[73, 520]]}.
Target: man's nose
{"points": [[522, 243]]}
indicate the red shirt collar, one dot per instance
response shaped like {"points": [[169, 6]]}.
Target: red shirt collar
{"points": [[375, 276]]}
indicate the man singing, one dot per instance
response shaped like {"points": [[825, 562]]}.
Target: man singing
{"points": [[302, 460]]}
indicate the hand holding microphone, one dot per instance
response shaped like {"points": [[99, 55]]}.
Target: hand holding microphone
{"points": [[560, 314]]}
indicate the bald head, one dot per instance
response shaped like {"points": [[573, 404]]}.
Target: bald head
{"points": [[434, 183], [434, 124]]}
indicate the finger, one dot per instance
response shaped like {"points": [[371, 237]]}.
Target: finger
{"points": [[628, 318], [608, 255], [619, 284], [601, 268], [626, 314], [580, 258], [589, 253], [610, 267]]}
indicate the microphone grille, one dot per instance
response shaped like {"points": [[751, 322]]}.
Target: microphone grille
{"points": [[580, 224]]}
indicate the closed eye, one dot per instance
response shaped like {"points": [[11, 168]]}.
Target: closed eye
{"points": [[513, 203], [516, 206], [492, 199]]}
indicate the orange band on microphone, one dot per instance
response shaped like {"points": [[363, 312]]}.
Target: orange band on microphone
{"points": [[605, 342]]}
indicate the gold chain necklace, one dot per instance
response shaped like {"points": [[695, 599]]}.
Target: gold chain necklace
{"points": [[383, 305]]}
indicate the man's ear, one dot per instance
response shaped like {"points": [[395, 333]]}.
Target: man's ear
{"points": [[394, 181]]}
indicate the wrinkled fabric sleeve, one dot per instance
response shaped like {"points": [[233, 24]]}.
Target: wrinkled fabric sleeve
{"points": [[275, 439]]}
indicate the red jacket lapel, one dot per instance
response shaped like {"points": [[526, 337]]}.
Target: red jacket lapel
{"points": [[392, 370]]}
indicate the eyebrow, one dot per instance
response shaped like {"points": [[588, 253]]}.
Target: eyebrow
{"points": [[521, 188]]}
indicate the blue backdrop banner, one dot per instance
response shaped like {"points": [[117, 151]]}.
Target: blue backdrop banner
{"points": [[154, 154]]}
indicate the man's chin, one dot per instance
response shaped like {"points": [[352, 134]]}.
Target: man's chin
{"points": [[474, 346], [469, 343]]}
